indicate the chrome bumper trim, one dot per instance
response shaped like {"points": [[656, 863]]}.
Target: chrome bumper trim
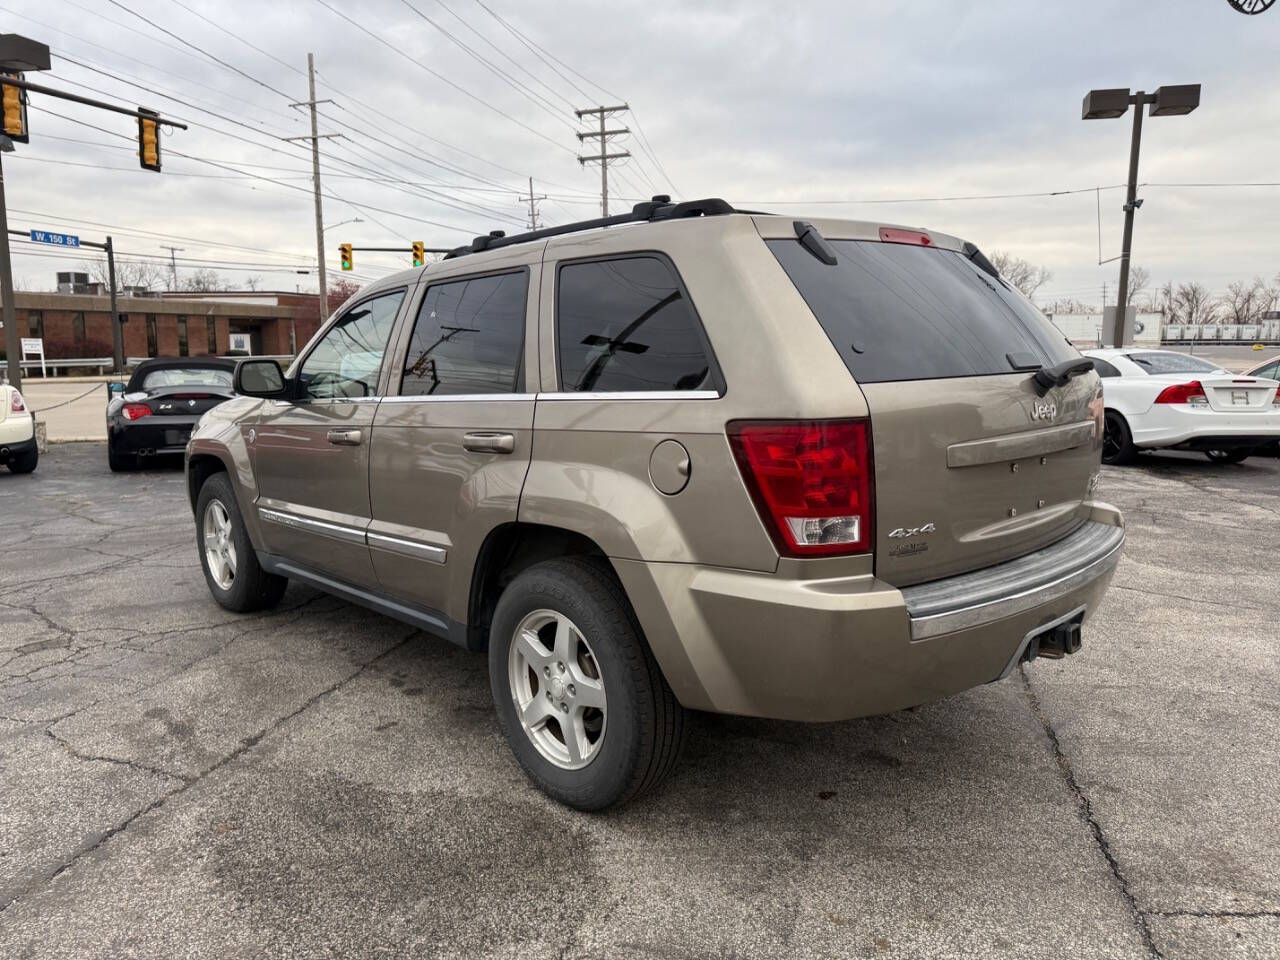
{"points": [[1007, 589]]}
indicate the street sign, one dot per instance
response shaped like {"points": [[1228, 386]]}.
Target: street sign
{"points": [[56, 239], [32, 347]]}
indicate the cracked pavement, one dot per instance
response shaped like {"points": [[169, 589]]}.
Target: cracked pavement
{"points": [[179, 781]]}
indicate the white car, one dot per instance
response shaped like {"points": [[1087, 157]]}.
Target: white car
{"points": [[1160, 399], [17, 432]]}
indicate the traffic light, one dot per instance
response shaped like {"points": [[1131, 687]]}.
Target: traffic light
{"points": [[15, 109], [419, 253], [149, 140], [344, 252]]}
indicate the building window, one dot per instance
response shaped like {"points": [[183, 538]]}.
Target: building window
{"points": [[35, 324], [77, 327], [211, 326], [182, 336], [152, 349]]}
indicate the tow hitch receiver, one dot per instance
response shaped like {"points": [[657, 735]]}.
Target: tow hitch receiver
{"points": [[1056, 642]]}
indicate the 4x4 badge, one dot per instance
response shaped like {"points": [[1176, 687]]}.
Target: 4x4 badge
{"points": [[905, 532]]}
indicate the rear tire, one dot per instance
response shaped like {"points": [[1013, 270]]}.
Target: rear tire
{"points": [[121, 462], [639, 725], [231, 569], [26, 462], [1228, 456], [1117, 441]]}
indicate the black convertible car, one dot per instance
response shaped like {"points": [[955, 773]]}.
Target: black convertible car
{"points": [[161, 403]]}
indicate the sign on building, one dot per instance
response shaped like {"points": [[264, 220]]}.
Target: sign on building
{"points": [[241, 342], [34, 346]]}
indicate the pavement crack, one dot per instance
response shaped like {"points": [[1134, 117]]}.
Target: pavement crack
{"points": [[98, 758], [1216, 914], [247, 744], [1087, 814]]}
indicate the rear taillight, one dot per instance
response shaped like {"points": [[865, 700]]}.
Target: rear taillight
{"points": [[812, 482], [897, 235], [16, 405], [1192, 393], [136, 411]]}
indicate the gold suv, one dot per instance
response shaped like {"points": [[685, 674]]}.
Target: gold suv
{"points": [[680, 458]]}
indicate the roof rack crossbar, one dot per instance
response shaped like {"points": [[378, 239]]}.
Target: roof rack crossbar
{"points": [[659, 208]]}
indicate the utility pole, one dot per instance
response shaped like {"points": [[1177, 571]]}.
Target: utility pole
{"points": [[315, 138], [533, 205], [604, 156], [173, 262], [11, 340], [117, 334]]}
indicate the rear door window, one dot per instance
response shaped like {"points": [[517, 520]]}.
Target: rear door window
{"points": [[904, 312], [626, 324], [469, 337]]}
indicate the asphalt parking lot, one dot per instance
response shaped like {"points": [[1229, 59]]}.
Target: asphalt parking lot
{"points": [[178, 781]]}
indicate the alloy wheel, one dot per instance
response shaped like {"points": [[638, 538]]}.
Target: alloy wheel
{"points": [[219, 546]]}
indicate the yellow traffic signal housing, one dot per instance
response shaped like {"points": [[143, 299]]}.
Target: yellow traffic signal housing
{"points": [[15, 109], [344, 252], [419, 253], [149, 140]]}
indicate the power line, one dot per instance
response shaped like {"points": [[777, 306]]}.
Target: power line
{"points": [[236, 36], [543, 55], [439, 76]]}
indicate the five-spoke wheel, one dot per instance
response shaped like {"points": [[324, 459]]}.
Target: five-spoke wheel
{"points": [[219, 547]]}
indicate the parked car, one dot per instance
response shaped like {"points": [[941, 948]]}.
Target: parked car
{"points": [[1162, 399], [18, 449], [162, 401], [1268, 370], [707, 460]]}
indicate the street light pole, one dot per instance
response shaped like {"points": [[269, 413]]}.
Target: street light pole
{"points": [[1108, 104], [1126, 244]]}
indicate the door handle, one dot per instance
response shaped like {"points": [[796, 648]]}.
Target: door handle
{"points": [[489, 442], [344, 438]]}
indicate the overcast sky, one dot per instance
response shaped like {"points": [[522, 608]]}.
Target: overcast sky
{"points": [[786, 106]]}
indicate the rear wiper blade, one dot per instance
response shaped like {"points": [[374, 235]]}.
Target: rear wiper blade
{"points": [[814, 242], [1046, 378]]}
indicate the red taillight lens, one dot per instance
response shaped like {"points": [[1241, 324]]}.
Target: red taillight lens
{"points": [[136, 411], [812, 482], [16, 405], [895, 235], [1183, 393]]}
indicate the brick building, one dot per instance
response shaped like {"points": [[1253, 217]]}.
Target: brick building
{"points": [[188, 324]]}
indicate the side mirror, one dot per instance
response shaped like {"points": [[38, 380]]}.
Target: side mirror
{"points": [[259, 378]]}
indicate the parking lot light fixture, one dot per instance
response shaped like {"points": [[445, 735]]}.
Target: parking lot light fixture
{"points": [[1108, 104]]}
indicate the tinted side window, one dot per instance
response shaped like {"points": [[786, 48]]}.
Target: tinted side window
{"points": [[1104, 369], [625, 325], [902, 312], [346, 361], [468, 337]]}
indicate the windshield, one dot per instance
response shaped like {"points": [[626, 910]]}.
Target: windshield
{"points": [[187, 377], [903, 312], [1161, 361]]}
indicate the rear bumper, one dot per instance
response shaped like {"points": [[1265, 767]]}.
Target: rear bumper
{"points": [[151, 435], [17, 428], [18, 448], [1171, 425], [820, 650]]}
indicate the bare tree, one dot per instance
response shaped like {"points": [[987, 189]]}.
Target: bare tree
{"points": [[1023, 274], [253, 283], [1245, 302], [1192, 303], [1139, 277], [129, 273], [1069, 305], [202, 281]]}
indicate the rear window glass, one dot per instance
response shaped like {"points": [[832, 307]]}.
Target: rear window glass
{"points": [[186, 377], [625, 325], [1158, 361], [898, 311]]}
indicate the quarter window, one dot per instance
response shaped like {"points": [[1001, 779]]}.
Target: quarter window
{"points": [[625, 324], [468, 337], [346, 361], [1104, 369]]}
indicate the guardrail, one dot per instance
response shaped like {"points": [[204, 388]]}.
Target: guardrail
{"points": [[103, 365]]}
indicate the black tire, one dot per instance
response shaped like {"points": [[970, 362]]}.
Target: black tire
{"points": [[1229, 456], [26, 462], [645, 726], [121, 462], [1117, 441], [251, 587]]}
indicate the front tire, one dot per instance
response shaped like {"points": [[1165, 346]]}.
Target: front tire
{"points": [[1117, 441], [231, 569], [1228, 456], [26, 462], [579, 696]]}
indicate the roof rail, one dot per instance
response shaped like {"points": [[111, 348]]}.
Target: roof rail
{"points": [[659, 208]]}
